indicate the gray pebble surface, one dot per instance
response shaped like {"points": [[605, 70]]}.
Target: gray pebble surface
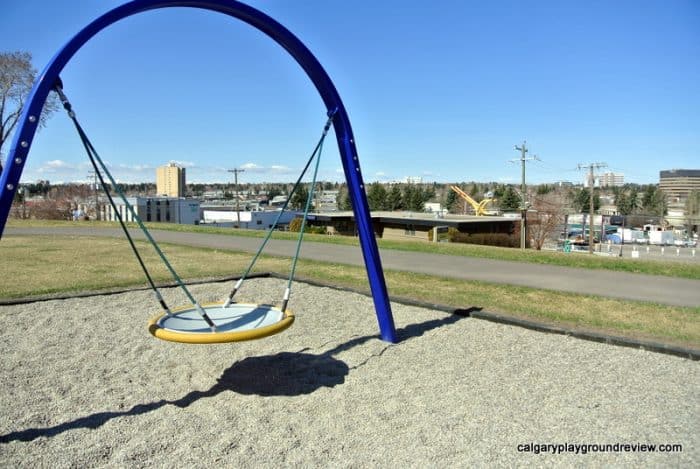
{"points": [[83, 384]]}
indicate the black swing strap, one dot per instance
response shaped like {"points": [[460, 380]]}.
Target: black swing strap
{"points": [[94, 159]]}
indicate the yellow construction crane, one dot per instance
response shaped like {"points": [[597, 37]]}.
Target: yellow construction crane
{"points": [[479, 207]]}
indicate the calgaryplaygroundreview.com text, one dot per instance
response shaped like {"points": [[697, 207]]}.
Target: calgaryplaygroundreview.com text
{"points": [[585, 448]]}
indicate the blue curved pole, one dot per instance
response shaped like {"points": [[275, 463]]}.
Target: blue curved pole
{"points": [[29, 120]]}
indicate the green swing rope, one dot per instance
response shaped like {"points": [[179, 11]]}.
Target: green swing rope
{"points": [[309, 197], [317, 151], [92, 154]]}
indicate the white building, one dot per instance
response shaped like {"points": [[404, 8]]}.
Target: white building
{"points": [[255, 220], [326, 201], [156, 209], [612, 179]]}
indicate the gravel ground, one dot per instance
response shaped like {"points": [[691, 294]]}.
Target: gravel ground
{"points": [[83, 384]]}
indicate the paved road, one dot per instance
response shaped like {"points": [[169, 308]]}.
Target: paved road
{"points": [[664, 290]]}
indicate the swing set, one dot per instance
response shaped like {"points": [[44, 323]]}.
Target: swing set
{"points": [[227, 321]]}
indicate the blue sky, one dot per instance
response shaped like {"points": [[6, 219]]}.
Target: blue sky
{"points": [[442, 90]]}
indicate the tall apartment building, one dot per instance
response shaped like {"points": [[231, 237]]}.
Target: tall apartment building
{"points": [[170, 180], [612, 180]]}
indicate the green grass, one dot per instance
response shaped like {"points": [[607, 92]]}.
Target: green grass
{"points": [[650, 267], [40, 265]]}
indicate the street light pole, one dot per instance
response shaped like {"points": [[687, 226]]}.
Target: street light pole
{"points": [[235, 172]]}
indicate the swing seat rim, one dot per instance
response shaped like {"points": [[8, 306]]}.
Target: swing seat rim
{"points": [[209, 337]]}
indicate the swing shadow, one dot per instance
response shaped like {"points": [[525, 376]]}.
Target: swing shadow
{"points": [[282, 374]]}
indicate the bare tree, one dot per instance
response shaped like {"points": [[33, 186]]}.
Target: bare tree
{"points": [[549, 215], [17, 76]]}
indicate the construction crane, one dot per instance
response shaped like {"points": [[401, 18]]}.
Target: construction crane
{"points": [[479, 207]]}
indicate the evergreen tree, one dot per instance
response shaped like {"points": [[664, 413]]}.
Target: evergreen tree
{"points": [[510, 200], [451, 200], [298, 201], [394, 199], [343, 199], [273, 192], [692, 209], [543, 189], [407, 197], [377, 197], [499, 190], [623, 202], [581, 200], [417, 200], [634, 199], [653, 201]]}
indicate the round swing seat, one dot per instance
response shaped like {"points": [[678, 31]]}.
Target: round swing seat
{"points": [[235, 323]]}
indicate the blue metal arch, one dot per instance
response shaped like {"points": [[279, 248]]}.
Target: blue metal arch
{"points": [[29, 120]]}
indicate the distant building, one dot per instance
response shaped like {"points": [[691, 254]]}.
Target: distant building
{"points": [[170, 180], [278, 201], [677, 184], [413, 180], [252, 220], [411, 225], [156, 209], [612, 180], [326, 201]]}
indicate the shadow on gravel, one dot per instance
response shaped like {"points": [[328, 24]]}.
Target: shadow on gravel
{"points": [[282, 374]]}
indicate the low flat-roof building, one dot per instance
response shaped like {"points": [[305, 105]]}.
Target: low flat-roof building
{"points": [[156, 209], [253, 220], [412, 225]]}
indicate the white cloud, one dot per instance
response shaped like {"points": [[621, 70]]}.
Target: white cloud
{"points": [[138, 168], [272, 169], [252, 167], [278, 169], [56, 164]]}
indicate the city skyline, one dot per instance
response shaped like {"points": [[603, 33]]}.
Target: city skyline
{"points": [[443, 93]]}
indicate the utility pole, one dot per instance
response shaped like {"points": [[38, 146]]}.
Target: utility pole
{"points": [[235, 172], [523, 188], [591, 178]]}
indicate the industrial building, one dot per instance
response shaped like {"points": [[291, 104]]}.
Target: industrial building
{"points": [[156, 209], [252, 220]]}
